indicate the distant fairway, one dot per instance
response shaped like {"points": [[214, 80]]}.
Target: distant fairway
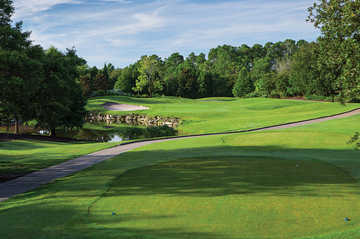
{"points": [[225, 114], [219, 187]]}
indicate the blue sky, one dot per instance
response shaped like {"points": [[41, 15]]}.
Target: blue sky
{"points": [[121, 31]]}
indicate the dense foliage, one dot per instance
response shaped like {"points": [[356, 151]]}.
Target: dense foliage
{"points": [[282, 69], [339, 44], [36, 84]]}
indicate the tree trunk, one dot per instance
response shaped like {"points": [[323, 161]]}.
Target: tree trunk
{"points": [[17, 129], [8, 124], [150, 91], [52, 132]]}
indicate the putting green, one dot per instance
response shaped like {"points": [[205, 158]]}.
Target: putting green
{"points": [[229, 197]]}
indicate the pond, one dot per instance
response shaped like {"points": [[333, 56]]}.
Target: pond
{"points": [[102, 132]]}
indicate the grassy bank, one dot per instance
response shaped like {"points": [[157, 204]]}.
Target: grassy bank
{"points": [[293, 183], [225, 114]]}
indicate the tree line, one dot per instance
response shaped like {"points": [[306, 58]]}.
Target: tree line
{"points": [[327, 68], [283, 69], [37, 84]]}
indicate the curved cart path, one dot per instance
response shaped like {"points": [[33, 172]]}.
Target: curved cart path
{"points": [[47, 175]]}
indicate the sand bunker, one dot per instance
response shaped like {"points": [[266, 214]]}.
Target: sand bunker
{"points": [[123, 107]]}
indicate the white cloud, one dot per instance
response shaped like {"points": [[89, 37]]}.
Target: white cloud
{"points": [[25, 8], [117, 1], [127, 29]]}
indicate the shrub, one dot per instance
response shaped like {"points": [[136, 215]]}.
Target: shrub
{"points": [[133, 132], [316, 97], [159, 131], [107, 93]]}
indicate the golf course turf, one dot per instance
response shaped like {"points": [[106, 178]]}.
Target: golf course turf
{"points": [[213, 115], [20, 157], [293, 183]]}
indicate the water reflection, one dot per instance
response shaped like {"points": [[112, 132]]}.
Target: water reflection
{"points": [[102, 132], [92, 135], [79, 134], [116, 138]]}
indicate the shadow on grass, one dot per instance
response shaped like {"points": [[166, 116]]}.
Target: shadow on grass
{"points": [[60, 220], [19, 145], [221, 176], [226, 170]]}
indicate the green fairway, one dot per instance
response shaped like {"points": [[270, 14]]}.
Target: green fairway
{"points": [[233, 186], [19, 157], [225, 114], [255, 197]]}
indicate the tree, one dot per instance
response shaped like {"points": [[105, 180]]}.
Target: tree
{"points": [[304, 77], [243, 84], [20, 68], [149, 75], [186, 77], [59, 101], [205, 81], [19, 80], [265, 85], [339, 44], [126, 80], [170, 81], [6, 11], [224, 61]]}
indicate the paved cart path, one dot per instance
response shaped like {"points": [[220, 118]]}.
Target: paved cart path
{"points": [[47, 175]]}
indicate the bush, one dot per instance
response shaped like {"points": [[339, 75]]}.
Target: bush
{"points": [[253, 95], [133, 132], [316, 97], [107, 93], [274, 95], [159, 131], [354, 100]]}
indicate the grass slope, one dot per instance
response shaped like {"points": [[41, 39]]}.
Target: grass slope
{"points": [[225, 114], [233, 186], [19, 157]]}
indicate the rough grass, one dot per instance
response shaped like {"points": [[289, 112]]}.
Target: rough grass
{"points": [[19, 157], [217, 187], [225, 114]]}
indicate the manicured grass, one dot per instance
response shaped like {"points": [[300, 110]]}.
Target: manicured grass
{"points": [[225, 114], [19, 157], [217, 187]]}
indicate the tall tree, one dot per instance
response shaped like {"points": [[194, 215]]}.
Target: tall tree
{"points": [[6, 11], [59, 101], [339, 44], [170, 82], [243, 84], [19, 67], [20, 73], [304, 77], [186, 76], [126, 80], [149, 78]]}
